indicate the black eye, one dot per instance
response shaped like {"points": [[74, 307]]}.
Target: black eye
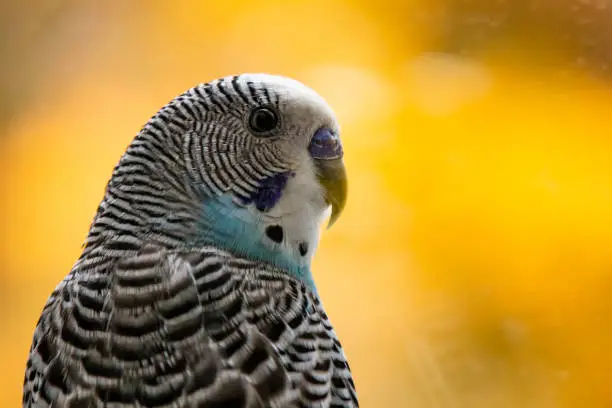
{"points": [[263, 120]]}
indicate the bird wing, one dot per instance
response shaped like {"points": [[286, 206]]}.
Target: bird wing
{"points": [[198, 328]]}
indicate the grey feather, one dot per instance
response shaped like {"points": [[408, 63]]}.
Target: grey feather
{"points": [[173, 328]]}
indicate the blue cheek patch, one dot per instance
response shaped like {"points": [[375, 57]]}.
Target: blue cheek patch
{"points": [[270, 191], [325, 144]]}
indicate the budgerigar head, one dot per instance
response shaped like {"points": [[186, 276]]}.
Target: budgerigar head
{"points": [[250, 163]]}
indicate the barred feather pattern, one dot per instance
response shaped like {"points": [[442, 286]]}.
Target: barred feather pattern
{"points": [[194, 147], [171, 328], [148, 319]]}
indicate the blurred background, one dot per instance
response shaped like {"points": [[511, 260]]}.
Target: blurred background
{"points": [[473, 266]]}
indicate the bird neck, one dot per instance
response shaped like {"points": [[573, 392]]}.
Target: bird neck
{"points": [[282, 230], [286, 242], [171, 210]]}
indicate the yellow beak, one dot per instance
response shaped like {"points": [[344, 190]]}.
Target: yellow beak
{"points": [[332, 176]]}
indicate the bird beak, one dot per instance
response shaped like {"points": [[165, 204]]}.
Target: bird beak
{"points": [[332, 176]]}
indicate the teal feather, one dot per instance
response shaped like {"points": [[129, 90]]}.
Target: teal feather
{"points": [[234, 228]]}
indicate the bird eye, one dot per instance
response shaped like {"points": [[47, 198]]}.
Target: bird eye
{"points": [[263, 120]]}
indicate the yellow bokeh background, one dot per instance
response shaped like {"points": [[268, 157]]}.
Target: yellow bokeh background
{"points": [[473, 265]]}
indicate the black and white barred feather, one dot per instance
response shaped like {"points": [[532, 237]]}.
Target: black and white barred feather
{"points": [[171, 328], [153, 183], [144, 320]]}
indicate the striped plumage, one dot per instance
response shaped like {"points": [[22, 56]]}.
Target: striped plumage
{"points": [[181, 298]]}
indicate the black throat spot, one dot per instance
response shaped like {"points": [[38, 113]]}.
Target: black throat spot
{"points": [[303, 248], [275, 233]]}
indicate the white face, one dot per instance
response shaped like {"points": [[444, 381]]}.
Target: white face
{"points": [[272, 145], [258, 125], [301, 112], [302, 207], [299, 212]]}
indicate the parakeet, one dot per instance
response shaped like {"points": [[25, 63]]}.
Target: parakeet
{"points": [[194, 287]]}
